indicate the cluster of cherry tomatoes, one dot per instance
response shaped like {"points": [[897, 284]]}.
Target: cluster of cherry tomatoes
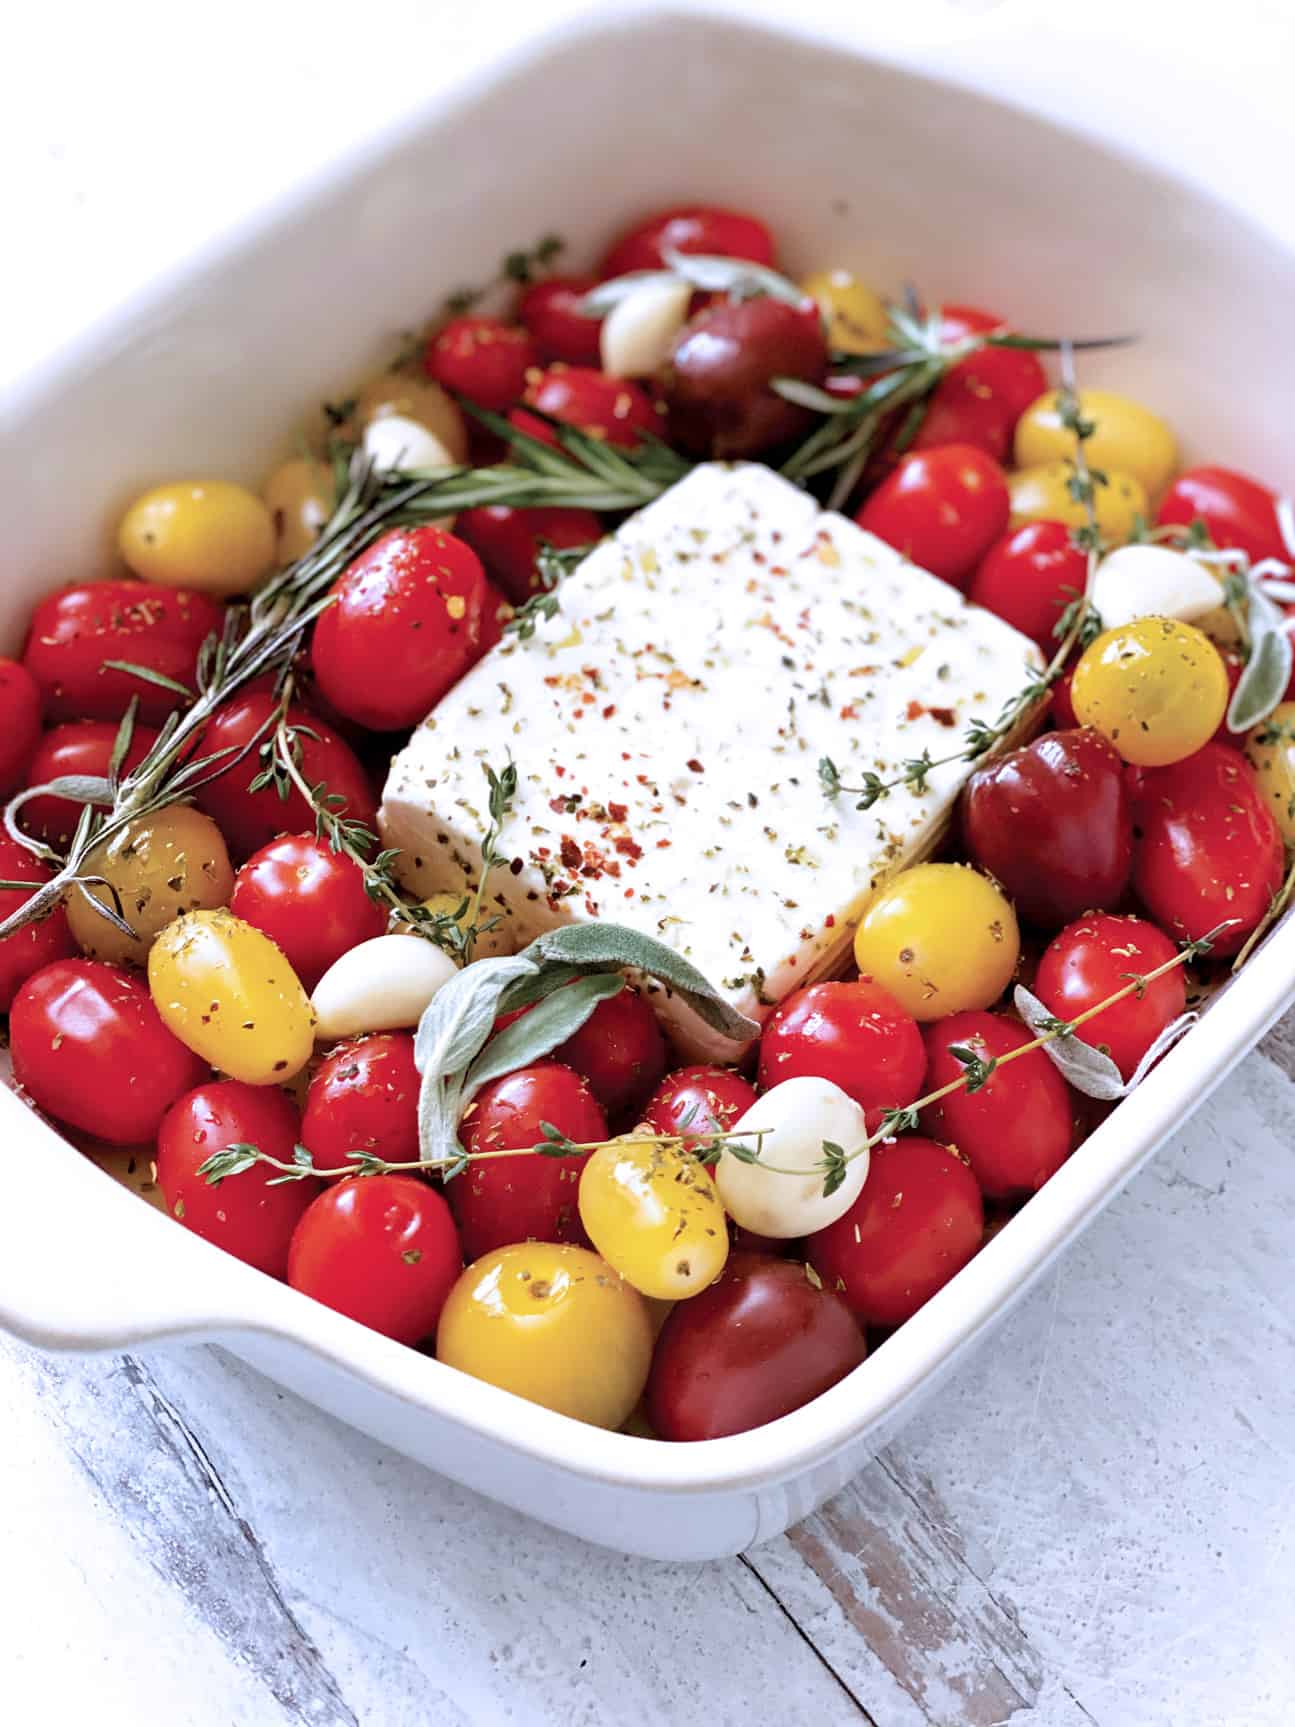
{"points": [[596, 1281]]}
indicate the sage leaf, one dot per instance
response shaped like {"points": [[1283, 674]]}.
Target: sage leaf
{"points": [[539, 984], [1267, 671], [1089, 1070], [539, 1032], [807, 395], [736, 277], [150, 677], [79, 788], [451, 1034]]}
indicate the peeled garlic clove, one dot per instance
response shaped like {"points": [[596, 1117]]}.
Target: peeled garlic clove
{"points": [[639, 331], [798, 1116], [382, 985], [1152, 582], [395, 442]]}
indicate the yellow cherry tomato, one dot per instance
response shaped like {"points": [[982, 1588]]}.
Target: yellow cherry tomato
{"points": [[160, 865], [1271, 751], [941, 937], [490, 943], [1156, 689], [209, 535], [415, 398], [227, 992], [1127, 438], [1042, 494], [856, 316], [654, 1215], [554, 1324], [300, 496]]}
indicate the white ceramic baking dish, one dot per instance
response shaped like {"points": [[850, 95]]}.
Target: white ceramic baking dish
{"points": [[893, 157]]}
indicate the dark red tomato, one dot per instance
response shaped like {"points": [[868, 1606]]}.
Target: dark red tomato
{"points": [[243, 1213], [963, 411], [364, 1097], [90, 1049], [508, 540], [381, 1249], [917, 1222], [760, 1341], [251, 819], [502, 1200], [75, 631], [1013, 376], [1029, 577], [37, 944], [1018, 1128], [1053, 822], [1236, 510], [942, 508], [548, 310], [309, 899], [20, 710], [620, 1051], [699, 1101], [404, 625], [717, 380], [83, 747], [1093, 959], [856, 1035], [592, 401], [483, 359], [1208, 847], [705, 228], [1061, 706]]}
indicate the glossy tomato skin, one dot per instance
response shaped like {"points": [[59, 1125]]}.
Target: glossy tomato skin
{"points": [[1029, 577], [1053, 822], [37, 944], [381, 1249], [363, 1096], [80, 747], [547, 308], [405, 624], [1012, 376], [612, 409], [243, 1213], [1017, 1129], [918, 1221], [760, 1341], [20, 716], [699, 1101], [503, 1200], [1093, 958], [508, 540], [619, 1051], [963, 411], [1061, 707], [73, 632], [717, 380], [706, 228], [855, 1034], [309, 900], [484, 359], [942, 508], [1237, 511], [251, 819], [90, 1049], [1208, 849]]}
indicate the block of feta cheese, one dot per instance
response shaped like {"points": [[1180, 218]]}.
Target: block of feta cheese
{"points": [[667, 726]]}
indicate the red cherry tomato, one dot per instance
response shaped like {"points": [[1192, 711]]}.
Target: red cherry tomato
{"points": [[1061, 707], [483, 359], [404, 625], [592, 401], [308, 899], [83, 747], [917, 1222], [74, 631], [495, 613], [1029, 577], [364, 1097], [705, 228], [90, 1049], [251, 819], [381, 1249], [760, 1341], [699, 1101], [963, 411], [856, 1035], [1092, 959], [1208, 849], [20, 710], [36, 944], [1236, 510], [1017, 1128], [942, 508], [620, 1051], [548, 310], [1054, 824], [243, 1213], [717, 381], [1013, 376], [508, 540], [502, 1200]]}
